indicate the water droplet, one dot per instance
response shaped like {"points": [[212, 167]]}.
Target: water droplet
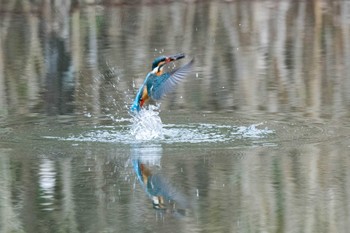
{"points": [[88, 114]]}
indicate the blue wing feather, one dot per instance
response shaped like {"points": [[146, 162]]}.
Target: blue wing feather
{"points": [[166, 82]]}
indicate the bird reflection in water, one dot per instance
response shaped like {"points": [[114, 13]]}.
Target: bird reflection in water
{"points": [[164, 196]]}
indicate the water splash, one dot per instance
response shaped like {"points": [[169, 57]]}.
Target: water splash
{"points": [[252, 131], [143, 130], [147, 125]]}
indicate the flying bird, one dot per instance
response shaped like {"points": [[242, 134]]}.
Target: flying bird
{"points": [[157, 84]]}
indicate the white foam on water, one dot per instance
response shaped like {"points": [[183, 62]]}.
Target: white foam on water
{"points": [[251, 131], [193, 135], [148, 127]]}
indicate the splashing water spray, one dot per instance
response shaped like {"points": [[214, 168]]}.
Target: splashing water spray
{"points": [[146, 124]]}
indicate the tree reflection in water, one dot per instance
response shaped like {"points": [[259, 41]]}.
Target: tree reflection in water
{"points": [[73, 65]]}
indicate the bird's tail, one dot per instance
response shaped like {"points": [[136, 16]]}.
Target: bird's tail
{"points": [[135, 107]]}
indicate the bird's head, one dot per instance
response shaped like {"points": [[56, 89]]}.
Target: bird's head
{"points": [[159, 62]]}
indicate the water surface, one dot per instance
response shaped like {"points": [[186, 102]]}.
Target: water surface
{"points": [[255, 140]]}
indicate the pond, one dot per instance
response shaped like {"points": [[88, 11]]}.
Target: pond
{"points": [[256, 138]]}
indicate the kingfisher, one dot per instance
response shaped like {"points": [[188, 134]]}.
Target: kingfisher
{"points": [[157, 84]]}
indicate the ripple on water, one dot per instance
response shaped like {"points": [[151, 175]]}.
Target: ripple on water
{"points": [[147, 126], [47, 182]]}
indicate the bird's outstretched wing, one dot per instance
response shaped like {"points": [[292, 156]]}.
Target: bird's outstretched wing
{"points": [[166, 83]]}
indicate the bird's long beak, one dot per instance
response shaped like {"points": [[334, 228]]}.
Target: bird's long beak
{"points": [[175, 57]]}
